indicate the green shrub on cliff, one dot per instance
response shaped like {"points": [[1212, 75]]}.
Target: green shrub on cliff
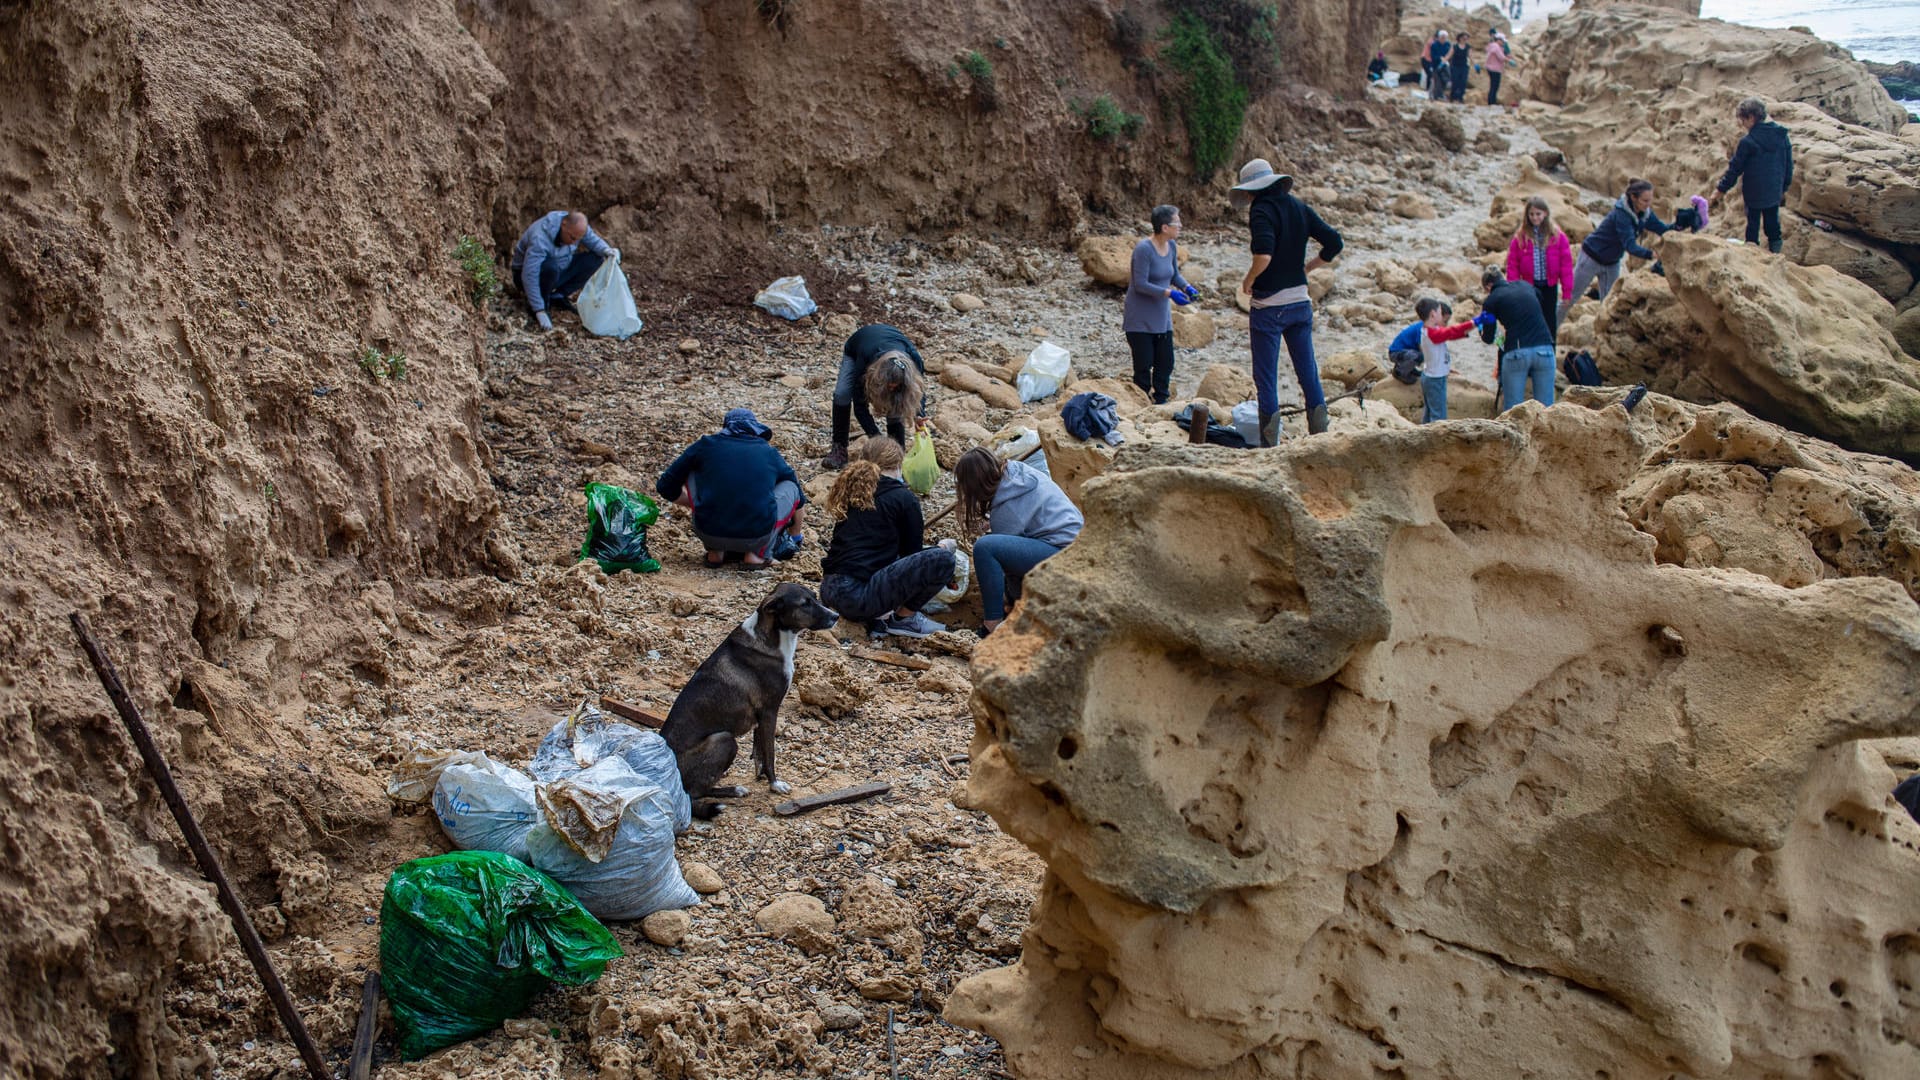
{"points": [[1106, 120], [483, 282], [1211, 99]]}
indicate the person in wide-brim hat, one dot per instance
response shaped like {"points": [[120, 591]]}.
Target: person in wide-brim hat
{"points": [[1257, 176]]}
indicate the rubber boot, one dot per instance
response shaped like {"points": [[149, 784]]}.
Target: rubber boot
{"points": [[1316, 420], [842, 423], [1269, 429], [1774, 246], [836, 458]]}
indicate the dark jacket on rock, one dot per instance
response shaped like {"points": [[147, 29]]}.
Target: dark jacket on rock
{"points": [[1765, 159], [734, 473], [1281, 226], [1617, 234], [1516, 304], [870, 540]]}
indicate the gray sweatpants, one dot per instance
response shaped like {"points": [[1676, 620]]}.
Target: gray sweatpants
{"points": [[1585, 272]]}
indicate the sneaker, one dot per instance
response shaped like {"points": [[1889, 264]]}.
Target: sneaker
{"points": [[786, 547], [915, 625], [836, 458]]}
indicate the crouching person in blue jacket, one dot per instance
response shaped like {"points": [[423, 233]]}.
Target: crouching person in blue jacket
{"points": [[1027, 520], [1605, 249], [744, 496]]}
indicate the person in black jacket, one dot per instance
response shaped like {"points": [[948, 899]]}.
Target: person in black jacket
{"points": [[1608, 245], [1277, 281], [880, 370], [1529, 345], [1459, 59], [1763, 164], [744, 496], [876, 569]]}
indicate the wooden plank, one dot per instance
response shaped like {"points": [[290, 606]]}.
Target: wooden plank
{"points": [[632, 712], [360, 1065], [832, 798], [884, 656]]}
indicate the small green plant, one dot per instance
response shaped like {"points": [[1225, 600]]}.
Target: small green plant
{"points": [[1106, 120], [271, 494], [1213, 102], [384, 366], [980, 70], [483, 282]]}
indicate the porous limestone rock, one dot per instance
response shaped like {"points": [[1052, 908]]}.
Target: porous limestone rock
{"points": [[1230, 384], [1597, 47], [801, 919], [1109, 259], [965, 378], [1867, 261], [1906, 330], [1806, 347], [1341, 766], [1192, 329], [1564, 209], [1412, 205]]}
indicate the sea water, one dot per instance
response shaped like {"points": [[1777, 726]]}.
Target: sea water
{"points": [[1886, 31]]}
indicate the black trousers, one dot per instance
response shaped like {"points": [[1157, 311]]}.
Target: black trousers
{"points": [[1493, 87], [1768, 216], [904, 583], [1550, 305], [1458, 92], [555, 284], [1152, 363]]}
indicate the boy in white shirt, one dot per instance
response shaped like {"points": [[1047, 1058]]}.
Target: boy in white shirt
{"points": [[1435, 364]]}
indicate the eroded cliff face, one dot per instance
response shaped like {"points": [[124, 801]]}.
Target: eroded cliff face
{"points": [[1442, 751]]}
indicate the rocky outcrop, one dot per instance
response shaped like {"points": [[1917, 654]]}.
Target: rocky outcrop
{"points": [[1337, 772], [1595, 47], [1804, 346], [1565, 208]]}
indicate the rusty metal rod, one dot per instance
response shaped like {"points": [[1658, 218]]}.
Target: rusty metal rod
{"points": [[360, 1063], [1198, 417], [202, 852]]}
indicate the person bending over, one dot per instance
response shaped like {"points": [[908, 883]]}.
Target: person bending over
{"points": [[880, 372], [1529, 356], [877, 569], [744, 496], [548, 265], [1025, 518], [1605, 249]]}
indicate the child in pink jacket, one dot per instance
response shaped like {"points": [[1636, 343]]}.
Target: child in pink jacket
{"points": [[1541, 255]]}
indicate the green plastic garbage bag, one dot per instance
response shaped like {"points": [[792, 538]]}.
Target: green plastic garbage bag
{"points": [[617, 521], [467, 940]]}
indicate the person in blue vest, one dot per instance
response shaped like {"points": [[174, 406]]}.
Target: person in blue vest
{"points": [[1605, 249], [1763, 166], [744, 496], [549, 266]]}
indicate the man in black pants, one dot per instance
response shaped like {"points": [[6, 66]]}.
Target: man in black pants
{"points": [[1763, 163]]}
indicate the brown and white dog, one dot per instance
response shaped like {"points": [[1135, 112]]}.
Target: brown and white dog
{"points": [[738, 690]]}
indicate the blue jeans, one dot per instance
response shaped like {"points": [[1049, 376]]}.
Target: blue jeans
{"points": [[1435, 392], [1002, 560], [1518, 366], [1267, 326]]}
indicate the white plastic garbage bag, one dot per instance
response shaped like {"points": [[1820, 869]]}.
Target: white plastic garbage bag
{"points": [[1246, 421], [1024, 440], [1045, 369], [606, 834], [957, 585], [606, 304], [485, 806], [587, 738], [787, 298]]}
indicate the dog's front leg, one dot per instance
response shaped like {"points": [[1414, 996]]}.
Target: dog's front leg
{"points": [[763, 733]]}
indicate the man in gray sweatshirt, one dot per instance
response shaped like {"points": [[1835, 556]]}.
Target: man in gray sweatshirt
{"points": [[549, 266]]}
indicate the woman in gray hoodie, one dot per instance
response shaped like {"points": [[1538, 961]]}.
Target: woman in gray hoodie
{"points": [[1026, 520]]}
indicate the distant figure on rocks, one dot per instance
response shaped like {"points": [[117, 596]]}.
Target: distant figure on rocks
{"points": [[1498, 58], [880, 371], [1376, 67], [878, 568], [549, 266], [1540, 255], [1460, 58], [744, 496], [1613, 240], [1436, 65], [1148, 322], [1282, 309], [1529, 344], [1026, 520], [1763, 165]]}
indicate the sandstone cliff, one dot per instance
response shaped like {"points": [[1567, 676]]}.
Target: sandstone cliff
{"points": [[1339, 771]]}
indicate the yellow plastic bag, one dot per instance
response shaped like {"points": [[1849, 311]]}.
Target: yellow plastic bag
{"points": [[921, 469]]}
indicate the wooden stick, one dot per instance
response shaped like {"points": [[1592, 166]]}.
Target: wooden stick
{"points": [[202, 852], [360, 1065], [632, 712], [845, 795], [893, 1059], [884, 656]]}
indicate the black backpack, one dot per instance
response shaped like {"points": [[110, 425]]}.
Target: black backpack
{"points": [[1581, 370]]}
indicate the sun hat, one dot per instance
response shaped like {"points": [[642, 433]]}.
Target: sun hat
{"points": [[1258, 175]]}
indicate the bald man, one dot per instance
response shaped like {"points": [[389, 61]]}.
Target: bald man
{"points": [[549, 266]]}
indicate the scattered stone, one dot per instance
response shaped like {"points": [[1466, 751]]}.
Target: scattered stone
{"points": [[1490, 141], [995, 393], [668, 928], [1108, 259], [1413, 205], [1192, 329], [689, 346], [797, 382], [1549, 159], [1229, 384], [702, 878], [1320, 283], [965, 302], [841, 1017], [801, 919], [1443, 125]]}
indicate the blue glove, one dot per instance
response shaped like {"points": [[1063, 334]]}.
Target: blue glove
{"points": [[1193, 293], [1178, 297], [1484, 320]]}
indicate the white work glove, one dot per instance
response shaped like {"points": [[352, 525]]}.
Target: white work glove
{"points": [[950, 544], [542, 318], [614, 254]]}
